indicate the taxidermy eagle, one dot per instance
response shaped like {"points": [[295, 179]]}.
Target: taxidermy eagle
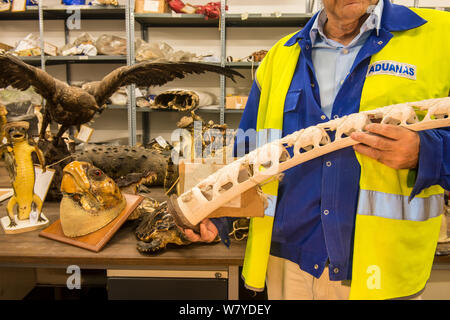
{"points": [[74, 106]]}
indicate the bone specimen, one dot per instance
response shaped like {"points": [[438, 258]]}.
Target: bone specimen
{"points": [[270, 159]]}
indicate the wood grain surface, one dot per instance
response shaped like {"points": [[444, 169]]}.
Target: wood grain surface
{"points": [[119, 252]]}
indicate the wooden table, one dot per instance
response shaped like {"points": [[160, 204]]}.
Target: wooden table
{"points": [[120, 255]]}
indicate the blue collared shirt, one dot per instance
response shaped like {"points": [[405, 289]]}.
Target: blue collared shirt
{"points": [[332, 61], [315, 218]]}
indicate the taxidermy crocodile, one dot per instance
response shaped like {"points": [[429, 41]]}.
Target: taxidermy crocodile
{"points": [[158, 228], [128, 166]]}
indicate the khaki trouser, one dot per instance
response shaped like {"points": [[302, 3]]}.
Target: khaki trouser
{"points": [[286, 281]]}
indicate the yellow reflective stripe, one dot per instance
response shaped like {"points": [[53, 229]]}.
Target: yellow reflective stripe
{"points": [[392, 258], [393, 206], [257, 253]]}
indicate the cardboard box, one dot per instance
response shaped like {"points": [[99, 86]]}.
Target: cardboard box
{"points": [[235, 102], [248, 204], [50, 49], [151, 6]]}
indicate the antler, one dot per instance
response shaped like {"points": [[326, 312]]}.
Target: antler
{"points": [[269, 160]]}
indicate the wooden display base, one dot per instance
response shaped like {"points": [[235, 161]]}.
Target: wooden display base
{"points": [[23, 225], [94, 241], [6, 193]]}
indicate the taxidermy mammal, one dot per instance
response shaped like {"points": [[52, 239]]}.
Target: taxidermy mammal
{"points": [[21, 170]]}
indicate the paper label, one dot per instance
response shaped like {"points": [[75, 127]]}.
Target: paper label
{"points": [[244, 16], [151, 5], [138, 93], [42, 181], [85, 133], [161, 141]]}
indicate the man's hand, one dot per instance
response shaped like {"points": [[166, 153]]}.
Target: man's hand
{"points": [[394, 146], [208, 232]]}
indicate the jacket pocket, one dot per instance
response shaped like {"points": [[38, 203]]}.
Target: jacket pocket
{"points": [[292, 100], [291, 112]]}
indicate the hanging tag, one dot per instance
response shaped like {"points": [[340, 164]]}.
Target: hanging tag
{"points": [[161, 141], [42, 181], [151, 6], [85, 133], [138, 93]]}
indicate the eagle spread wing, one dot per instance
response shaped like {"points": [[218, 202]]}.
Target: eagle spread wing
{"points": [[146, 74], [16, 73]]}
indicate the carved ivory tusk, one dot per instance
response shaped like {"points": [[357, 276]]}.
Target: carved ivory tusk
{"points": [[270, 159]]}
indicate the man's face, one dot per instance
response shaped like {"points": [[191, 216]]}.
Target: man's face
{"points": [[347, 9]]}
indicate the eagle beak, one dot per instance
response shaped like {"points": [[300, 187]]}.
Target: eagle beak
{"points": [[74, 178]]}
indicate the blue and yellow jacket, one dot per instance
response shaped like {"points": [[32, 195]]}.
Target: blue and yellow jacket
{"points": [[345, 210]]}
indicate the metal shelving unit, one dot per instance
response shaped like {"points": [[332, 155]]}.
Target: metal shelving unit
{"points": [[173, 20], [148, 21]]}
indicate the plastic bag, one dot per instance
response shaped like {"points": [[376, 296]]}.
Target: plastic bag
{"points": [[161, 50], [84, 44], [111, 45], [29, 42]]}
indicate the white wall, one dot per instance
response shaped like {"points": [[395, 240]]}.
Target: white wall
{"points": [[240, 43]]}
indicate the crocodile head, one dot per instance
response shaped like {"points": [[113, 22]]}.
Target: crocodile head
{"points": [[90, 201], [157, 229]]}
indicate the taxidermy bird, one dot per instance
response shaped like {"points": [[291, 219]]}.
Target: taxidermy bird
{"points": [[74, 106]]}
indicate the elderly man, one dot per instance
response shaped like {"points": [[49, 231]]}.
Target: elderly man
{"points": [[371, 213]]}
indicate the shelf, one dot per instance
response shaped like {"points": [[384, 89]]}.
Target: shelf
{"points": [[174, 20], [242, 65], [231, 20], [51, 60], [147, 110], [55, 60], [267, 20], [62, 12]]}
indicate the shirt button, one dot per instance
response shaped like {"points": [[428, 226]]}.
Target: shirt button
{"points": [[328, 163], [316, 266], [336, 270], [323, 117], [344, 51], [380, 42], [312, 85], [326, 212], [336, 116]]}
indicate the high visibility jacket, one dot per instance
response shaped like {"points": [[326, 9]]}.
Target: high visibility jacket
{"points": [[395, 239]]}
